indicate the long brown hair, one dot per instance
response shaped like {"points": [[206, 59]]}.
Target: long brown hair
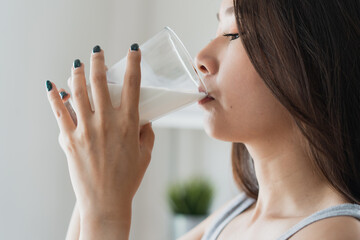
{"points": [[308, 54]]}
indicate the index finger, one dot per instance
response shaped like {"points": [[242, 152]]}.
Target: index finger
{"points": [[131, 88], [62, 116]]}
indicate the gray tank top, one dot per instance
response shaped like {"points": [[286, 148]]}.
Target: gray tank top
{"points": [[242, 202]]}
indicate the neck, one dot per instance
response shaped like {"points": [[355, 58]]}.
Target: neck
{"points": [[288, 184]]}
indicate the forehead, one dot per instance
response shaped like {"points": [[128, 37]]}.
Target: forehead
{"points": [[226, 4], [226, 9]]}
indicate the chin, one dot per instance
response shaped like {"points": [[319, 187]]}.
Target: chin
{"points": [[218, 130]]}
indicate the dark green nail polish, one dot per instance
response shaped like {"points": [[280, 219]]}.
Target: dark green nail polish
{"points": [[135, 47], [77, 63], [48, 85], [96, 49], [63, 94]]}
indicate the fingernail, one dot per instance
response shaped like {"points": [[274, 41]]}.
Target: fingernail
{"points": [[96, 49], [77, 63], [63, 94], [134, 47], [48, 85]]}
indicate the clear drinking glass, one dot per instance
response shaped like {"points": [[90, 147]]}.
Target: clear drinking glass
{"points": [[169, 79]]}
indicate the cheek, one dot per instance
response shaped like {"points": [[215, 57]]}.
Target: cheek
{"points": [[246, 109], [235, 91], [232, 108], [240, 87]]}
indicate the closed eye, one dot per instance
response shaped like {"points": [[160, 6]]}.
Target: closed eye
{"points": [[232, 35]]}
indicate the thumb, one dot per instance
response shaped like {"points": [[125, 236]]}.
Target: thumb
{"points": [[147, 139]]}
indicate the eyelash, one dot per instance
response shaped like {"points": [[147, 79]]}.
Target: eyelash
{"points": [[233, 36]]}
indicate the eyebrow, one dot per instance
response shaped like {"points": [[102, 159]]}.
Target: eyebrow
{"points": [[228, 11]]}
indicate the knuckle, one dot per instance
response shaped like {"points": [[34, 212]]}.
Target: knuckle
{"points": [[70, 146], [99, 75], [132, 117], [84, 135], [124, 131], [68, 143], [134, 81], [104, 125], [58, 113], [78, 93]]}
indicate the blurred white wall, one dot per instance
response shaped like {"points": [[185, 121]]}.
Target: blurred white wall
{"points": [[39, 40]]}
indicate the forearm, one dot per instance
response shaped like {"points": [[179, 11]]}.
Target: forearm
{"points": [[73, 232]]}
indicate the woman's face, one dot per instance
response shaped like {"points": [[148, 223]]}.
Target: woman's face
{"points": [[243, 108]]}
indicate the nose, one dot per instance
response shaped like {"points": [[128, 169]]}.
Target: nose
{"points": [[206, 60]]}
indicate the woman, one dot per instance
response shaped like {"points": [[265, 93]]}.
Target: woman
{"points": [[284, 81]]}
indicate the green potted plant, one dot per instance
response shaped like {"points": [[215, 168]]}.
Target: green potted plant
{"points": [[190, 202]]}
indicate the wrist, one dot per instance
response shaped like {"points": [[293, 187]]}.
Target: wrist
{"points": [[104, 209], [102, 229], [109, 224]]}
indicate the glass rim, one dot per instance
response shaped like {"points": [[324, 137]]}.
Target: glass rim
{"points": [[192, 71]]}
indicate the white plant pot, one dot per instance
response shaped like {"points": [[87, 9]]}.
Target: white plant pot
{"points": [[181, 223]]}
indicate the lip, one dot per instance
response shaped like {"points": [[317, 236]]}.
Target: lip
{"points": [[206, 100]]}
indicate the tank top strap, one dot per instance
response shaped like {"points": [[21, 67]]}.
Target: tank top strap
{"points": [[347, 209], [234, 208]]}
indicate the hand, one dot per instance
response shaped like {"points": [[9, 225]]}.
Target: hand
{"points": [[107, 152]]}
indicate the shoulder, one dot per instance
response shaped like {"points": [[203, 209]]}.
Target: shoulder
{"points": [[334, 228]]}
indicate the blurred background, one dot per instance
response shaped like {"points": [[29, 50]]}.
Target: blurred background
{"points": [[40, 40]]}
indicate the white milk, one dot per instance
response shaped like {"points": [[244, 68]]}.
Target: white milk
{"points": [[154, 102]]}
